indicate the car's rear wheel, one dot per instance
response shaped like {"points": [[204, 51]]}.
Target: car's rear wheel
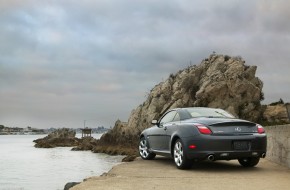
{"points": [[180, 159], [144, 150], [249, 162]]}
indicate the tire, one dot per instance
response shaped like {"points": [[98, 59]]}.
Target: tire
{"points": [[180, 159], [249, 162], [144, 150]]}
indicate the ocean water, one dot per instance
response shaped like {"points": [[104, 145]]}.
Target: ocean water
{"points": [[23, 167]]}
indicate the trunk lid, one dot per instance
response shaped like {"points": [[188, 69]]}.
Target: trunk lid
{"points": [[227, 126], [233, 128]]}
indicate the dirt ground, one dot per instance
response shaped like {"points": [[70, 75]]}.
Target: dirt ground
{"points": [[162, 174]]}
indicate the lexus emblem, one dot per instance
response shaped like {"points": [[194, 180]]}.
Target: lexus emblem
{"points": [[239, 129]]}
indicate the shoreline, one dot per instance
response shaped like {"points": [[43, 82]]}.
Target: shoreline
{"points": [[162, 174]]}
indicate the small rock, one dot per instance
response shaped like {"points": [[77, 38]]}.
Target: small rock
{"points": [[70, 185], [129, 158]]}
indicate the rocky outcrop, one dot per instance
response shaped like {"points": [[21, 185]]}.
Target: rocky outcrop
{"points": [[218, 81], [276, 114], [120, 134], [118, 141], [66, 138], [60, 138], [86, 143]]}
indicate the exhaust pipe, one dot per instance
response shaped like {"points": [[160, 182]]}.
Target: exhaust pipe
{"points": [[210, 157], [263, 155]]}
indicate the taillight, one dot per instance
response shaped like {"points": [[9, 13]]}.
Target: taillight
{"points": [[261, 129], [192, 146], [203, 129]]}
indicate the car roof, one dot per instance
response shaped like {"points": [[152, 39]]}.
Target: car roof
{"points": [[193, 108]]}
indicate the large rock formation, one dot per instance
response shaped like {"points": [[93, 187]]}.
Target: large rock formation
{"points": [[218, 81]]}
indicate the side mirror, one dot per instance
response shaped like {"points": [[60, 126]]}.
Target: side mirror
{"points": [[154, 122]]}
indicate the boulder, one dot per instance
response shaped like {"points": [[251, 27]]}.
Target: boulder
{"points": [[70, 185], [129, 158]]}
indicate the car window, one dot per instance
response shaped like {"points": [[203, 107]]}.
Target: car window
{"points": [[176, 117], [209, 112], [168, 117]]}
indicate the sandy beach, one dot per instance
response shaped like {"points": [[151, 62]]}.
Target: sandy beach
{"points": [[162, 174]]}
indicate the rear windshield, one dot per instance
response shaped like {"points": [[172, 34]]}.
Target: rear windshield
{"points": [[208, 112]]}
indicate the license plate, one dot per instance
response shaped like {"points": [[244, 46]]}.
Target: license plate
{"points": [[241, 145]]}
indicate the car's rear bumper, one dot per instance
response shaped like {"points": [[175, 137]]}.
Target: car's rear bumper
{"points": [[223, 148]]}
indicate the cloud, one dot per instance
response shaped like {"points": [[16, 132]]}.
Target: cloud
{"points": [[65, 61]]}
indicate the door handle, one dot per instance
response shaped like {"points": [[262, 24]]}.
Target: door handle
{"points": [[165, 128]]}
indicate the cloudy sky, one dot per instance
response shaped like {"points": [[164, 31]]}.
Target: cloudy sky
{"points": [[66, 61]]}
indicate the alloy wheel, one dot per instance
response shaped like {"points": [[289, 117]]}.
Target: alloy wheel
{"points": [[178, 153], [143, 150]]}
